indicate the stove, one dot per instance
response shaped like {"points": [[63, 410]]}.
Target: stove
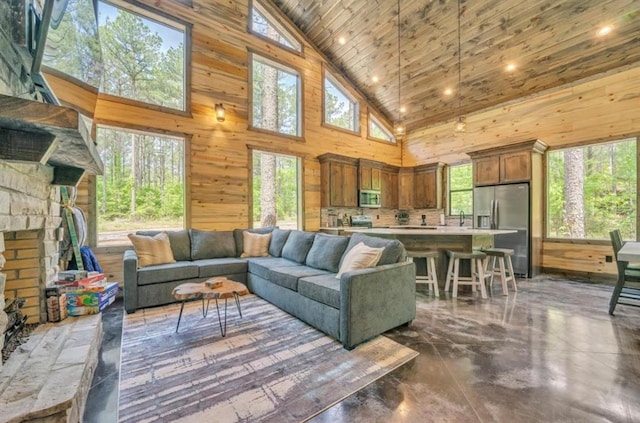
{"points": [[361, 221]]}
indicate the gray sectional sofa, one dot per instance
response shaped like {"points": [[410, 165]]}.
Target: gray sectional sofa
{"points": [[298, 276]]}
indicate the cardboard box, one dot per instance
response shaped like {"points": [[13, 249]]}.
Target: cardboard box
{"points": [[91, 299]]}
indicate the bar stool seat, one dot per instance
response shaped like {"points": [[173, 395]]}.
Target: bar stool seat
{"points": [[431, 278], [503, 258], [477, 277]]}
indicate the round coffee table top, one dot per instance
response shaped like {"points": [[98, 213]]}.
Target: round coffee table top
{"points": [[212, 288]]}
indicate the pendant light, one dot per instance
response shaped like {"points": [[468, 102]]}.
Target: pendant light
{"points": [[399, 127], [461, 126]]}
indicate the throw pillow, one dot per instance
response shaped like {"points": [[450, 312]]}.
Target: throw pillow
{"points": [[255, 245], [152, 249], [360, 257]]}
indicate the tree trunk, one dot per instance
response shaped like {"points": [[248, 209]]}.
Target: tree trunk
{"points": [[134, 176], [574, 192]]}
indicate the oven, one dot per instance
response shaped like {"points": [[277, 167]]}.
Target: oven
{"points": [[369, 198]]}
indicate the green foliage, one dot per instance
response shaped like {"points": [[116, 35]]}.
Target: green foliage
{"points": [[286, 187], [287, 88], [461, 189], [339, 109], [610, 182]]}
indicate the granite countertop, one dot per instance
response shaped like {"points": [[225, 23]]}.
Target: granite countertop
{"points": [[431, 230]]}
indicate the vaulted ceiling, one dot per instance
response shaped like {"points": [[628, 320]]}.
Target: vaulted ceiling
{"points": [[551, 43]]}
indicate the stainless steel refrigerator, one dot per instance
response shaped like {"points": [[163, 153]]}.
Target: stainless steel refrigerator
{"points": [[506, 207]]}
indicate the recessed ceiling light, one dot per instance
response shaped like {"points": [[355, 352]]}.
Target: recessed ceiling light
{"points": [[510, 67], [374, 78], [605, 30], [342, 40], [448, 91], [403, 109]]}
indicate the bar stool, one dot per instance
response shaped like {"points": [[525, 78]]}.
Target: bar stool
{"points": [[502, 255], [476, 279], [431, 278]]}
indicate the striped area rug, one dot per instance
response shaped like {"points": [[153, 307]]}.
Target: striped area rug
{"points": [[271, 367]]}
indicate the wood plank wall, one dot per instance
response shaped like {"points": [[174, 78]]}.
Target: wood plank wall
{"points": [[599, 109]]}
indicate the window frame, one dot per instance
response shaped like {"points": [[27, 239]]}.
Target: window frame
{"points": [[449, 190], [93, 233], [159, 17], [277, 24], [327, 75], [371, 117], [286, 68], [587, 241]]}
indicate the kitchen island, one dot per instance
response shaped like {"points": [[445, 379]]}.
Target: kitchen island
{"points": [[440, 238]]}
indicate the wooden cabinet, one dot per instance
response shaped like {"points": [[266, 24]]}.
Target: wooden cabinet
{"points": [[505, 165], [370, 175], [405, 188], [389, 188], [339, 180], [427, 186]]}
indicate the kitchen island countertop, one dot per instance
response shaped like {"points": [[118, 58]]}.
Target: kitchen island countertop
{"points": [[444, 230]]}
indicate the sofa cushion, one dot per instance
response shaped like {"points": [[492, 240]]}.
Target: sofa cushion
{"points": [[297, 246], [255, 245], [220, 266], [167, 272], [152, 250], [180, 243], [278, 239], [212, 244], [260, 266], [393, 249], [360, 257], [237, 235], [326, 251], [324, 289], [287, 277]]}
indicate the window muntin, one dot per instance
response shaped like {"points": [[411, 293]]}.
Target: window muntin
{"points": [[142, 186], [276, 91], [461, 189], [262, 23], [592, 190], [276, 189], [144, 58], [340, 108], [378, 131]]}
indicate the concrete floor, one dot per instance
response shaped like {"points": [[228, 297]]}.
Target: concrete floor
{"points": [[548, 353]]}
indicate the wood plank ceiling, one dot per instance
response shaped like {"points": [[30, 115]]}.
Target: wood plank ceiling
{"points": [[551, 43]]}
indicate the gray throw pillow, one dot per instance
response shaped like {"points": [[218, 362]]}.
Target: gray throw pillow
{"points": [[212, 244], [297, 246], [239, 239], [179, 240], [326, 251], [393, 249], [278, 238]]}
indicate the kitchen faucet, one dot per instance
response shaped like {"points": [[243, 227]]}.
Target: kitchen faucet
{"points": [[461, 218]]}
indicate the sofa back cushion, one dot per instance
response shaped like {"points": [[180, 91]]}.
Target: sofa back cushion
{"points": [[326, 251], [239, 238], [278, 238], [179, 240], [393, 249], [212, 244], [297, 246], [152, 250]]}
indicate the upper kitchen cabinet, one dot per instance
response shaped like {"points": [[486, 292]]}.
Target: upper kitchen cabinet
{"points": [[339, 181], [389, 187], [427, 186], [370, 175], [505, 165]]}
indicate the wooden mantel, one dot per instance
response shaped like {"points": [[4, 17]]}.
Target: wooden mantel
{"points": [[46, 133]]}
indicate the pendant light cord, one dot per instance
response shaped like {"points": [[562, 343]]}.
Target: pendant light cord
{"points": [[399, 84], [459, 68]]}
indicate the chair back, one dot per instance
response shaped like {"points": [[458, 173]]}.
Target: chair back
{"points": [[616, 242]]}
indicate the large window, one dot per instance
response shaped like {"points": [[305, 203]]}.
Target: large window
{"points": [[275, 97], [276, 190], [263, 24], [461, 190], [591, 190], [340, 108], [142, 186], [378, 131], [144, 58]]}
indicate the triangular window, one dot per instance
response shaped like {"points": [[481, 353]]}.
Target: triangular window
{"points": [[264, 24], [378, 131]]}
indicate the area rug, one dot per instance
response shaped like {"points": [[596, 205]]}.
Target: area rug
{"points": [[271, 367]]}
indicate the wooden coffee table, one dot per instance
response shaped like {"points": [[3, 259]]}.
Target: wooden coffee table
{"points": [[211, 289]]}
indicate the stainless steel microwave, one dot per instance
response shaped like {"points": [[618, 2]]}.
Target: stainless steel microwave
{"points": [[369, 198]]}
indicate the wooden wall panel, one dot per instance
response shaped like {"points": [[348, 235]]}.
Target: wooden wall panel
{"points": [[585, 260]]}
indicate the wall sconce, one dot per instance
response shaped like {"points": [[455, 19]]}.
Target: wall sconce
{"points": [[220, 112]]}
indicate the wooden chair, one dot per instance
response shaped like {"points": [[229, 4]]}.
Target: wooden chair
{"points": [[628, 276]]}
